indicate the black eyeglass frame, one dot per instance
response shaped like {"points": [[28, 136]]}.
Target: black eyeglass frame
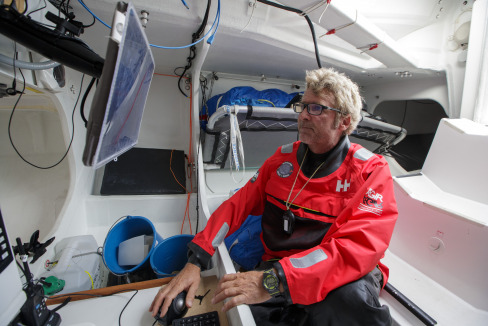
{"points": [[299, 107]]}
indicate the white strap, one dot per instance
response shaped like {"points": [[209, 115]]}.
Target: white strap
{"points": [[237, 150]]}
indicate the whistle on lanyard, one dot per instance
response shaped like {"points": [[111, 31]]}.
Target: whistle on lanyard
{"points": [[288, 222]]}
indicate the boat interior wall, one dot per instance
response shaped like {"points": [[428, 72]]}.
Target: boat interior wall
{"points": [[475, 101], [165, 212], [166, 119], [28, 193], [169, 25], [455, 141], [420, 118], [165, 124], [434, 89], [41, 128], [447, 217]]}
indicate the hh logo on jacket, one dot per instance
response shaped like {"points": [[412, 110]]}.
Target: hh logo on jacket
{"points": [[342, 186]]}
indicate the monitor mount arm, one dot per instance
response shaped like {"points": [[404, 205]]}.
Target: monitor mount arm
{"points": [[66, 25]]}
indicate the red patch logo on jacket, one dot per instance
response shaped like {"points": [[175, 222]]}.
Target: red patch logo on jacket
{"points": [[372, 202]]}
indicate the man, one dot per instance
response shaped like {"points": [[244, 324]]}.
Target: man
{"points": [[328, 212]]}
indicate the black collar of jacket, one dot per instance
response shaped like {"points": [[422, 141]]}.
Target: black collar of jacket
{"points": [[333, 158]]}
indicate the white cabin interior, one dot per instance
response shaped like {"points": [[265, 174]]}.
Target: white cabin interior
{"points": [[421, 65]]}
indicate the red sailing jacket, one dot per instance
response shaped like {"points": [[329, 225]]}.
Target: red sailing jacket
{"points": [[344, 220]]}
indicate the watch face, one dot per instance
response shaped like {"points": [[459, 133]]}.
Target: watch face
{"points": [[270, 282]]}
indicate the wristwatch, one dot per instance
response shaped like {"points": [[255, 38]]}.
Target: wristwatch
{"points": [[271, 282]]}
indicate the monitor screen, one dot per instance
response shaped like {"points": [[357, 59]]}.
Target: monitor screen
{"points": [[118, 104]]}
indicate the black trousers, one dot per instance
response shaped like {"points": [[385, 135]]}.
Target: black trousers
{"points": [[355, 303]]}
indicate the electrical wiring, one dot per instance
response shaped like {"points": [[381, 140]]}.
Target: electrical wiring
{"points": [[250, 18], [203, 114], [38, 9], [94, 16], [211, 38], [211, 32], [83, 100], [192, 55], [310, 24], [190, 161], [197, 176], [10, 127], [171, 170], [69, 295]]}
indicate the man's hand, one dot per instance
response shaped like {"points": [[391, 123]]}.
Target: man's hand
{"points": [[241, 288], [188, 279]]}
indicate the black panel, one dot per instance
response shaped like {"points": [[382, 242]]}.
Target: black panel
{"points": [[5, 253], [145, 171]]}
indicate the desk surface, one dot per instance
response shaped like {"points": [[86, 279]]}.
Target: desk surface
{"points": [[84, 310]]}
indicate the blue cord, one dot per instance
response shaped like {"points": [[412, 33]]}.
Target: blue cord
{"points": [[211, 30], [101, 21], [184, 3], [217, 18]]}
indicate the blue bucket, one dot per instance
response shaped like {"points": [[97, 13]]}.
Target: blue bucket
{"points": [[170, 256], [128, 228]]}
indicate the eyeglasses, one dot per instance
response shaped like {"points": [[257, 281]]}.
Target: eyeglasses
{"points": [[312, 108]]}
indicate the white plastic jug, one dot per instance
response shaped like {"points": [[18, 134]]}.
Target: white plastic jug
{"points": [[77, 263]]}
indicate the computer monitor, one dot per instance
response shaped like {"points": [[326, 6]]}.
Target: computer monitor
{"points": [[65, 49], [118, 104], [13, 296]]}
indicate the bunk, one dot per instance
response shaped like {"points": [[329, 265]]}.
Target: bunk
{"points": [[264, 129]]}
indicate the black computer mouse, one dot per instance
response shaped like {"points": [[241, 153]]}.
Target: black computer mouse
{"points": [[176, 309]]}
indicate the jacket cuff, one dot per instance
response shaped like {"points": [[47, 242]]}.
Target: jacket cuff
{"points": [[199, 257], [282, 277]]}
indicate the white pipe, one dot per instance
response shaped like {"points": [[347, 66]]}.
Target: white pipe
{"points": [[198, 156], [475, 100], [28, 65]]}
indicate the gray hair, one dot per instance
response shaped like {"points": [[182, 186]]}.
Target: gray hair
{"points": [[346, 93]]}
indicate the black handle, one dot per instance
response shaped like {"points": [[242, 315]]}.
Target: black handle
{"points": [[412, 307]]}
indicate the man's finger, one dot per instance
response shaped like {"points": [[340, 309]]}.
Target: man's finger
{"points": [[225, 293], [158, 300], [234, 302], [192, 291], [167, 301]]}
